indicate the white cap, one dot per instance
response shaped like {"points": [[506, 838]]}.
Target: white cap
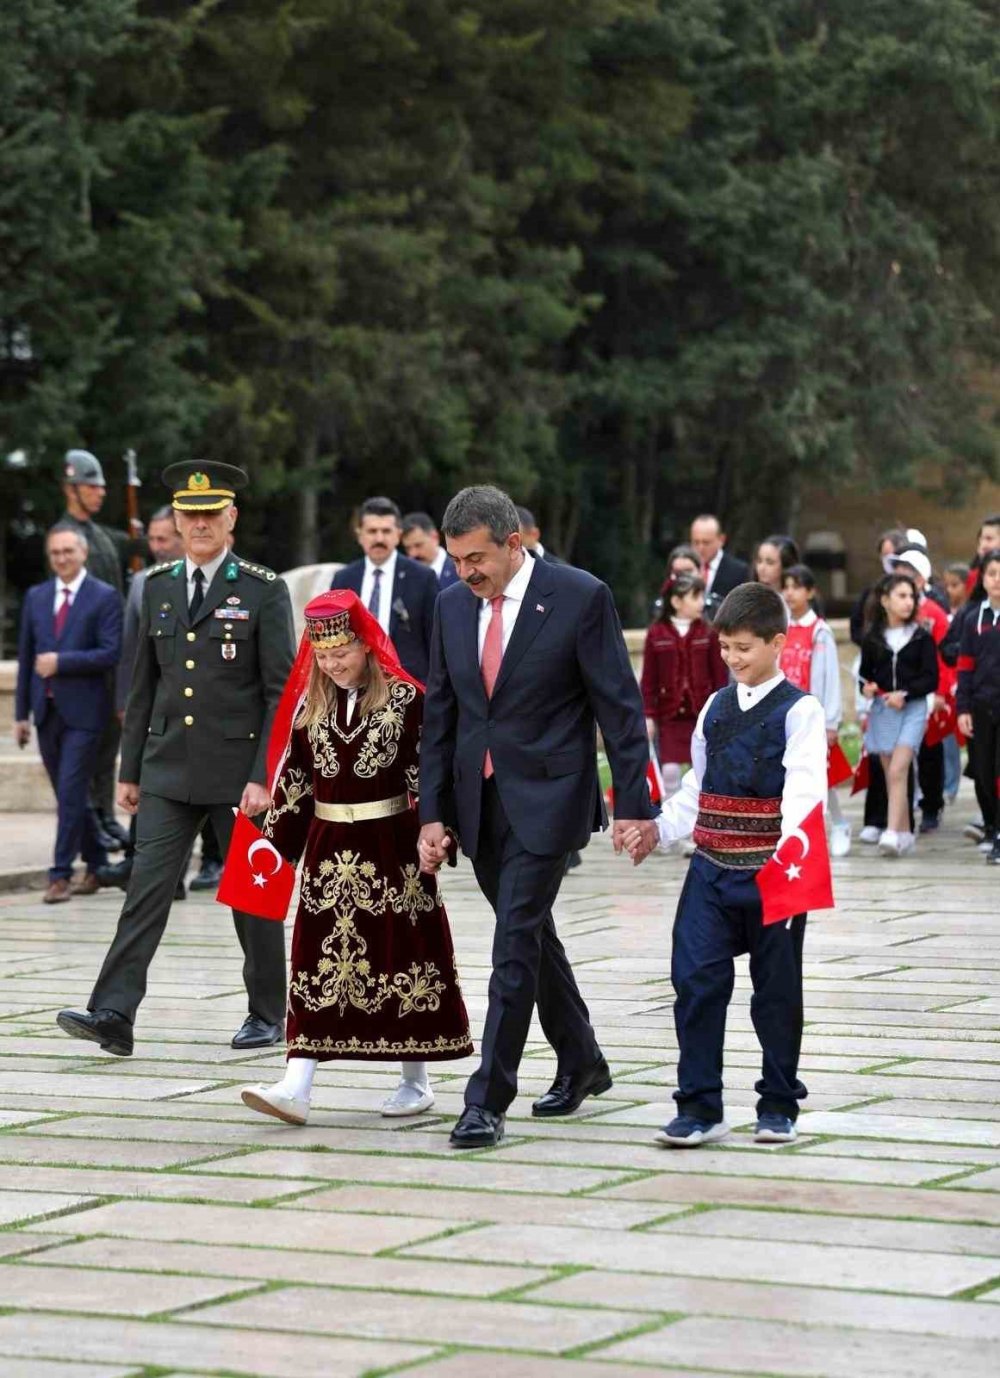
{"points": [[916, 559], [914, 536]]}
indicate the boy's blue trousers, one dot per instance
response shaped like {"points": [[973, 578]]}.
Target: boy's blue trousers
{"points": [[718, 918]]}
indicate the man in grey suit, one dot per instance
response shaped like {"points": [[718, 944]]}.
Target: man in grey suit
{"points": [[215, 648]]}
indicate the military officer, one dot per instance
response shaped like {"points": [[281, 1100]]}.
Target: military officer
{"points": [[215, 648]]}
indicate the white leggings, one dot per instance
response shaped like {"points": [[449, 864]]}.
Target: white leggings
{"points": [[299, 1073]]}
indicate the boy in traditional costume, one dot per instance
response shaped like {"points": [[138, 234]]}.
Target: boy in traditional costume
{"points": [[373, 974]]}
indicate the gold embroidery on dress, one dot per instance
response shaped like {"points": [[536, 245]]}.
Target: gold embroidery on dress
{"points": [[323, 749], [381, 1047], [292, 784], [343, 974], [385, 727]]}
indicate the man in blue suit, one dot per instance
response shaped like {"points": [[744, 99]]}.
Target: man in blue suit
{"points": [[527, 658], [398, 592], [422, 542], [70, 638]]}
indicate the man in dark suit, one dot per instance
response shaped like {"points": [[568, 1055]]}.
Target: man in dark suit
{"points": [[422, 542], [215, 648], [70, 641], [531, 537], [398, 592], [525, 657], [721, 571]]}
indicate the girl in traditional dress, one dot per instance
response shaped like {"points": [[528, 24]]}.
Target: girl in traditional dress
{"points": [[373, 973]]}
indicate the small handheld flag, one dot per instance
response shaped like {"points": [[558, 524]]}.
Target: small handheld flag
{"points": [[797, 877], [256, 878]]}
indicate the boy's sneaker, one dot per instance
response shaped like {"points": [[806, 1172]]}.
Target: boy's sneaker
{"points": [[840, 839], [974, 831], [869, 833], [773, 1129], [993, 856], [686, 1132]]}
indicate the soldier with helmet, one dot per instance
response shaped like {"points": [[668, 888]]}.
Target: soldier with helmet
{"points": [[85, 489], [215, 649]]}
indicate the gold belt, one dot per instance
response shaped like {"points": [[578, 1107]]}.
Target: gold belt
{"points": [[361, 813]]}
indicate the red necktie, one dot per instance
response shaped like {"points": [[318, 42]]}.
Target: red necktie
{"points": [[490, 664], [705, 571], [62, 612]]}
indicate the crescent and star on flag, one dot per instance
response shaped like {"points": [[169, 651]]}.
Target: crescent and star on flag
{"points": [[260, 878]]}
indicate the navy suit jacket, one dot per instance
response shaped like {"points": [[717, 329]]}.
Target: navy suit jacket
{"points": [[565, 670], [414, 593], [449, 574], [88, 648]]}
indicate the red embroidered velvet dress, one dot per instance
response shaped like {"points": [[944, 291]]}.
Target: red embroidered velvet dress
{"points": [[373, 971]]}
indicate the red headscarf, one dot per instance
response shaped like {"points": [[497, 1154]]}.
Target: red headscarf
{"points": [[367, 630]]}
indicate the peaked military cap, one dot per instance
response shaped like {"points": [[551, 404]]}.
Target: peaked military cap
{"points": [[203, 485]]}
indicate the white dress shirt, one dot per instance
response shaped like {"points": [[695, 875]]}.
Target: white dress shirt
{"points": [[437, 564], [804, 761], [713, 569], [385, 588], [352, 698], [210, 570], [74, 589], [513, 597]]}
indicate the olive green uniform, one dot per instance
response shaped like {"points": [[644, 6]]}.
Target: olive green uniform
{"points": [[199, 710]]}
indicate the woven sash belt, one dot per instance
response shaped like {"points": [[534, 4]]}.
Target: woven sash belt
{"points": [[737, 832], [362, 813]]}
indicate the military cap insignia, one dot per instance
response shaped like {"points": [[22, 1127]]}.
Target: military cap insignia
{"points": [[197, 483]]}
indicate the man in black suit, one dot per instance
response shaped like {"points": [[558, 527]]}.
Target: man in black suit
{"points": [[422, 542], [525, 657], [531, 537], [721, 571], [398, 592]]}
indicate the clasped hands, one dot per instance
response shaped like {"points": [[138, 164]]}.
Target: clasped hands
{"points": [[637, 836]]}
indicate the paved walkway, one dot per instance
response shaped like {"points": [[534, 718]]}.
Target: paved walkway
{"points": [[149, 1225]]}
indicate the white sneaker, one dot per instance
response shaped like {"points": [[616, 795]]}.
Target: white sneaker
{"points": [[870, 834], [840, 839], [907, 843], [888, 843], [408, 1099], [268, 1100]]}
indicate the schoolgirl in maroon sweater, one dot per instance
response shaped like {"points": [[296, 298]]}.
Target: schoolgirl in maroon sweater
{"points": [[681, 667]]}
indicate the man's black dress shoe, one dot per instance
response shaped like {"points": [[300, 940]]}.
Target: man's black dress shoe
{"points": [[208, 876], [106, 1027], [116, 875], [111, 834], [477, 1128], [257, 1033], [566, 1094]]}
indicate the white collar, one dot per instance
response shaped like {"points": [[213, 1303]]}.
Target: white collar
{"points": [[518, 585], [437, 564], [74, 587], [388, 567], [806, 620], [747, 695], [210, 570], [716, 559]]}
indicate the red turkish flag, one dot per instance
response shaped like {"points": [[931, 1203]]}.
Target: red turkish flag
{"points": [[861, 775], [838, 767], [942, 723], [256, 879], [797, 878]]}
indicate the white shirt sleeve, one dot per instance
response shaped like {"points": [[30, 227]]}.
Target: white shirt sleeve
{"points": [[825, 678], [680, 813], [804, 761]]}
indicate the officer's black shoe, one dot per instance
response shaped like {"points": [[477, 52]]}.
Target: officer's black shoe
{"points": [[106, 1027], [115, 876], [208, 877], [111, 834], [257, 1033]]}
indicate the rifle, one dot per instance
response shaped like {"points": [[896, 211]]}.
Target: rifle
{"points": [[135, 527]]}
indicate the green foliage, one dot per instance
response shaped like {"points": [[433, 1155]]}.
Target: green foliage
{"points": [[630, 259]]}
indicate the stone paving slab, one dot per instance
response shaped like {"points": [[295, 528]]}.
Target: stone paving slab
{"points": [[269, 1355], [580, 1247], [888, 1270]]}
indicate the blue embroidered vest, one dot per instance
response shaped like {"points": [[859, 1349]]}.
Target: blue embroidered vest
{"points": [[739, 812]]}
